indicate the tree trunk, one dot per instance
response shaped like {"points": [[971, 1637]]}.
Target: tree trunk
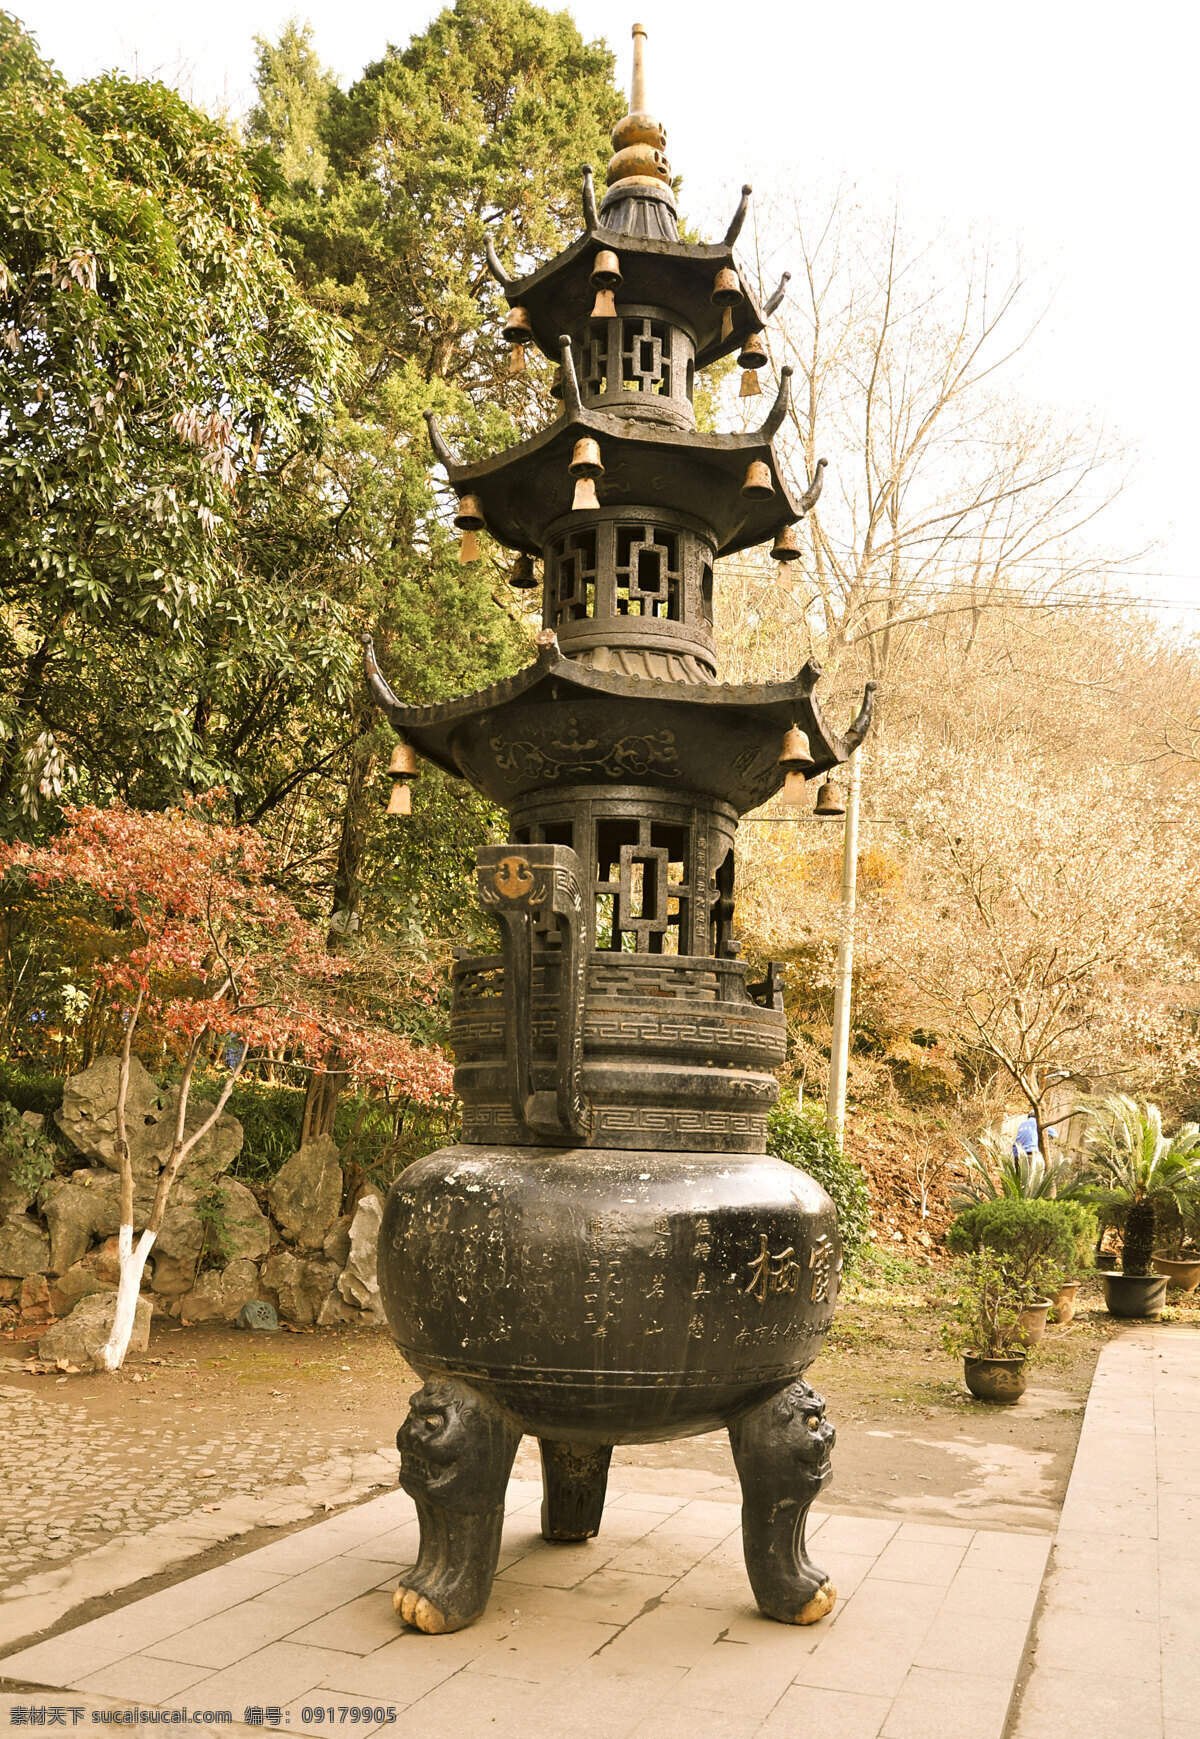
{"points": [[325, 1086], [132, 1258]]}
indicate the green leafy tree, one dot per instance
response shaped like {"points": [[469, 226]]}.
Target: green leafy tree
{"points": [[479, 126], [161, 383]]}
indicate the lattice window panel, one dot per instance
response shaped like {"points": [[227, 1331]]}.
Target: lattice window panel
{"points": [[646, 356], [649, 572], [595, 359], [573, 576], [642, 889]]}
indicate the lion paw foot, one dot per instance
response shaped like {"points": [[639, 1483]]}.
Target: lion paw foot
{"points": [[821, 1603], [414, 1606]]}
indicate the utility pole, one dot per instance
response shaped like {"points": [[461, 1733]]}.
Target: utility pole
{"points": [[839, 1054]]}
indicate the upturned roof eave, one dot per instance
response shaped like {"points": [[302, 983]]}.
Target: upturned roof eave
{"points": [[553, 665], [706, 256]]}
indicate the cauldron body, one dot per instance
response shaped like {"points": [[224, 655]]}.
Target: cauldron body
{"points": [[609, 1296]]}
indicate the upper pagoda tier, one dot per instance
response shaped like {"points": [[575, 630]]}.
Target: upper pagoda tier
{"points": [[626, 502]]}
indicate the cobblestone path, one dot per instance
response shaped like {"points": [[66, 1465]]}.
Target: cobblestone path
{"points": [[70, 1481]]}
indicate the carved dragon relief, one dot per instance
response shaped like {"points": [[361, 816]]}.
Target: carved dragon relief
{"points": [[536, 894], [575, 756]]}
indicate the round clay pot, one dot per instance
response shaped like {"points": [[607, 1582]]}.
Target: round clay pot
{"points": [[1001, 1380], [1106, 1262], [1140, 1295], [1064, 1302], [1181, 1271], [1031, 1324]]}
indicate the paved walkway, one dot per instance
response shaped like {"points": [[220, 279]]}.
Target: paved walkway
{"points": [[1117, 1643], [647, 1631]]}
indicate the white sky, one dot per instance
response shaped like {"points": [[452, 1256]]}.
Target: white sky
{"points": [[1069, 127]]}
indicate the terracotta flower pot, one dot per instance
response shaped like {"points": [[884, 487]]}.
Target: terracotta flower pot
{"points": [[1031, 1324], [1181, 1271], [1138, 1295], [1001, 1380], [1064, 1302]]}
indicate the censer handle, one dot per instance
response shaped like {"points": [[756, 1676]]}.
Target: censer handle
{"points": [[535, 892]]}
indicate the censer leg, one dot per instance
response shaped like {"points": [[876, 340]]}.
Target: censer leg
{"points": [[574, 1481], [456, 1453], [781, 1452]]}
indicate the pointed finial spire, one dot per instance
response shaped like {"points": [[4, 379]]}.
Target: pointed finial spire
{"points": [[639, 140], [637, 84]]}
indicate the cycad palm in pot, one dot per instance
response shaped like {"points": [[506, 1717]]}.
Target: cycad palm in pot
{"points": [[1135, 1171]]}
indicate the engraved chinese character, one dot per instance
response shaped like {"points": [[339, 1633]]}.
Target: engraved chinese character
{"points": [[785, 1271], [701, 1288], [819, 1265], [772, 1273], [756, 1286]]}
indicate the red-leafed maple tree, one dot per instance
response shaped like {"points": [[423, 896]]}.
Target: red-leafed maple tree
{"points": [[207, 951]]}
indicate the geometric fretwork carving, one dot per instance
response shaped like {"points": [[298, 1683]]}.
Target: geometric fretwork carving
{"points": [[642, 889], [572, 576], [649, 578], [645, 356]]}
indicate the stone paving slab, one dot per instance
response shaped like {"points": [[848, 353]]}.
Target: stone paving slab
{"points": [[1117, 1639], [648, 1630]]}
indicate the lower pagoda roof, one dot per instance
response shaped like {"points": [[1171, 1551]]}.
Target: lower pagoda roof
{"points": [[560, 722]]}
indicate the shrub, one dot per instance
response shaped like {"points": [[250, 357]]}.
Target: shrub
{"points": [[31, 1088], [26, 1155], [801, 1139], [271, 1120], [986, 1317], [1033, 1238]]}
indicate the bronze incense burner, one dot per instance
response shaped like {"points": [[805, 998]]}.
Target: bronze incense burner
{"points": [[609, 1256]]}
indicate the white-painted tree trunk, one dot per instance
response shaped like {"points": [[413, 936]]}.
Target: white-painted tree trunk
{"points": [[129, 1284]]}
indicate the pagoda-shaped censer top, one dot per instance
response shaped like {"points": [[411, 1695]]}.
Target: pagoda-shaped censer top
{"points": [[607, 1255]]}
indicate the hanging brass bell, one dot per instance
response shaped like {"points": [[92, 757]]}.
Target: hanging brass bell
{"points": [[794, 756], [400, 801], [829, 806], [795, 748], [726, 290], [517, 328], [606, 270], [606, 276], [586, 461], [786, 547], [753, 353], [470, 521], [404, 763], [521, 573], [586, 466], [753, 356], [758, 485]]}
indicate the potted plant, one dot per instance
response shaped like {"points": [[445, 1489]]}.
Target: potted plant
{"points": [[1042, 1243], [1135, 1171], [983, 1327], [1178, 1257]]}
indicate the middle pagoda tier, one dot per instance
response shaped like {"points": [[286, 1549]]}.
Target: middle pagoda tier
{"points": [[618, 1014]]}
